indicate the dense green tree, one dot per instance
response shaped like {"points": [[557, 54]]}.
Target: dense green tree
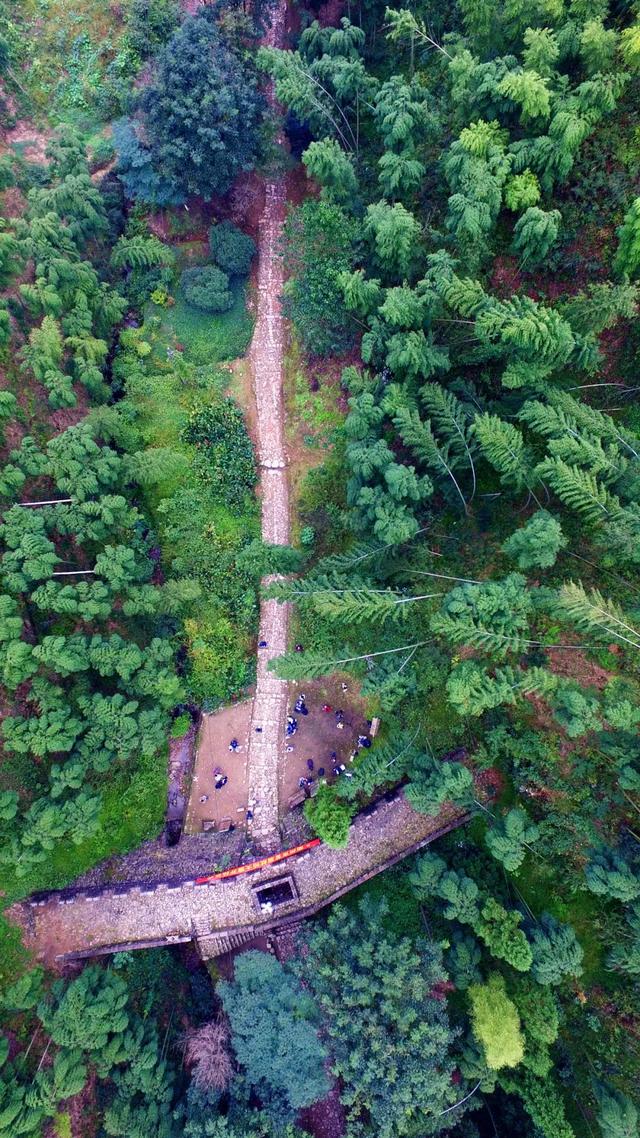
{"points": [[89, 1014], [200, 113], [542, 1099], [617, 1114], [625, 957], [609, 875], [394, 233], [150, 23], [274, 1033], [324, 82], [497, 927], [136, 170], [433, 783], [556, 951], [537, 543], [540, 1019], [492, 615], [387, 1030], [509, 838], [627, 260], [535, 233], [332, 168], [496, 1023]]}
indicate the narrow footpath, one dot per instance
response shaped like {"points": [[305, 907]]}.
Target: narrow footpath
{"points": [[266, 736]]}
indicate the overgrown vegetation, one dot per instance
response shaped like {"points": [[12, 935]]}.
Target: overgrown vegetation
{"points": [[479, 579], [105, 490], [468, 256]]}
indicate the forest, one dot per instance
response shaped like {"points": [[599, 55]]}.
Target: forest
{"points": [[462, 261]]}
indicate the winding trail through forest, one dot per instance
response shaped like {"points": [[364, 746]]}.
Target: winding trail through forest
{"points": [[266, 360]]}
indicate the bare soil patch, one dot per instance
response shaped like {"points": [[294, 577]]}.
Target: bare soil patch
{"points": [[574, 665], [216, 733], [318, 735], [33, 142]]}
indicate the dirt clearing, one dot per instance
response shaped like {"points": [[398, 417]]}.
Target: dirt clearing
{"points": [[230, 802]]}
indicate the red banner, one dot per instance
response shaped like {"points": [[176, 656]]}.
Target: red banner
{"points": [[253, 866]]}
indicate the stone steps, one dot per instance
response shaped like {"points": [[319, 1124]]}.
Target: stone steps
{"points": [[214, 944]]}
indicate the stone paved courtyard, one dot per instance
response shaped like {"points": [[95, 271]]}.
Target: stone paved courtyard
{"points": [[120, 914]]}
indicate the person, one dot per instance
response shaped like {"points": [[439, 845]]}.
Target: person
{"points": [[310, 764], [340, 725], [249, 815], [334, 756], [320, 772], [301, 707], [221, 780], [364, 741], [299, 648], [234, 745], [326, 707], [258, 730], [289, 748], [344, 686], [262, 644], [302, 783], [204, 797], [340, 713]]}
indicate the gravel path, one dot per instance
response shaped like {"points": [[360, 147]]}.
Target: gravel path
{"points": [[266, 737]]}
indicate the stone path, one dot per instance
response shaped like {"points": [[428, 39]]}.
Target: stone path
{"points": [[266, 744], [225, 912]]}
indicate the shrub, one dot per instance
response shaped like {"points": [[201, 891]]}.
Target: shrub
{"points": [[180, 725], [319, 243], [330, 819], [206, 288], [225, 460], [231, 249], [150, 23], [103, 151]]}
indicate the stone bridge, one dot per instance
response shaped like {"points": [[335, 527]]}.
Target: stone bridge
{"points": [[222, 915]]}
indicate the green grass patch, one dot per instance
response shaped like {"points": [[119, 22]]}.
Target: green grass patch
{"points": [[133, 805], [205, 338], [313, 413], [14, 958], [132, 812], [206, 514], [209, 337]]}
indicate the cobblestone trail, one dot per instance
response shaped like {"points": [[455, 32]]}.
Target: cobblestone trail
{"points": [[211, 914], [266, 737]]}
